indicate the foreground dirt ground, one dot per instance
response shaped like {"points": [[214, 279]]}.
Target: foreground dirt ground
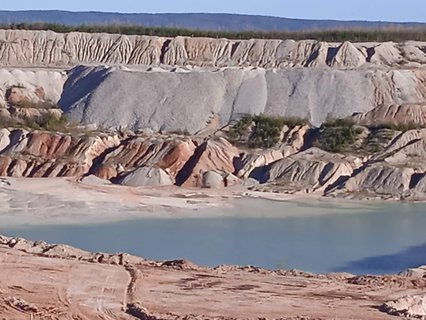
{"points": [[41, 281]]}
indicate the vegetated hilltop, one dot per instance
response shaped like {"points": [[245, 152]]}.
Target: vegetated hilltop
{"points": [[337, 34], [200, 21]]}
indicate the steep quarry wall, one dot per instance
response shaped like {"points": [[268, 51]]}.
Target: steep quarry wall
{"points": [[179, 99], [191, 84], [46, 48]]}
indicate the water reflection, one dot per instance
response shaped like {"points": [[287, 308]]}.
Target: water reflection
{"points": [[318, 238], [392, 263]]}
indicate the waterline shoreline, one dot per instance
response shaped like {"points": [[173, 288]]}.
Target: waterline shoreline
{"points": [[239, 292], [173, 222], [29, 201]]}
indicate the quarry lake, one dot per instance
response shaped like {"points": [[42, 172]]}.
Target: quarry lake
{"points": [[316, 236]]}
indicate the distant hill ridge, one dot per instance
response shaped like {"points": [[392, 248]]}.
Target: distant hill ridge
{"points": [[201, 21]]}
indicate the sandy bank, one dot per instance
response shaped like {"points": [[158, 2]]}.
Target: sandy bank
{"points": [[67, 201]]}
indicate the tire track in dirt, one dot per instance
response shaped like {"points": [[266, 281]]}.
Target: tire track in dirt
{"points": [[133, 307]]}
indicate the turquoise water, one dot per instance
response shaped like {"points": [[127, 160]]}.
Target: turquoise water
{"points": [[312, 236]]}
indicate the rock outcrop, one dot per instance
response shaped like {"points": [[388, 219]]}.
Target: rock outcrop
{"points": [[381, 180], [419, 272], [217, 154], [308, 171], [28, 96], [145, 177], [18, 85], [44, 154], [165, 152], [138, 160], [406, 114], [212, 179], [92, 180], [63, 251], [396, 170], [291, 141], [408, 306]]}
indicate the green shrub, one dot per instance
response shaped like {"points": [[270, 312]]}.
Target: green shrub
{"points": [[37, 105], [267, 131], [240, 128], [338, 122], [51, 122], [336, 135], [292, 122], [377, 140], [403, 127], [5, 122], [184, 132], [47, 121]]}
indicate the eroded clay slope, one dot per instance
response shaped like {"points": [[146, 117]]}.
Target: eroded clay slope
{"points": [[46, 48], [396, 170]]}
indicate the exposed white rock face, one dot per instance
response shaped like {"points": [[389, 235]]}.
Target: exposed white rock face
{"points": [[33, 85], [212, 179], [418, 192], [216, 179], [200, 85], [4, 139], [145, 176], [46, 48], [413, 52], [116, 97], [93, 180], [409, 306], [412, 155], [419, 272]]}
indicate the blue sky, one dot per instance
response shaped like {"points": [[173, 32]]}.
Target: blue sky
{"points": [[384, 10]]}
